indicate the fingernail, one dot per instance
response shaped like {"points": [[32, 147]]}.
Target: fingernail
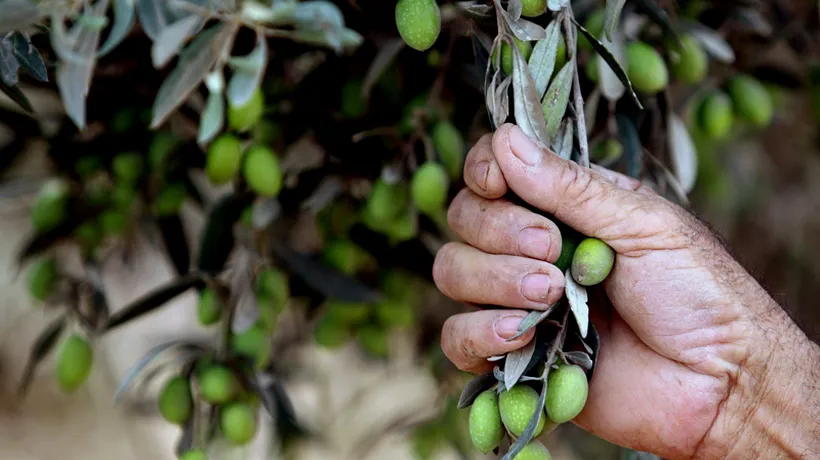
{"points": [[523, 147], [507, 326], [534, 242], [535, 287], [480, 172]]}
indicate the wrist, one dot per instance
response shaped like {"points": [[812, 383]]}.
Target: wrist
{"points": [[773, 408]]}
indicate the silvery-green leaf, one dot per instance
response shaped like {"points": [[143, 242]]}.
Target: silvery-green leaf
{"points": [[28, 57], [580, 358], [495, 358], [521, 28], [514, 8], [212, 119], [153, 17], [502, 93], [713, 43], [17, 15], [542, 59], [317, 14], [329, 39], [74, 78], [578, 298], [123, 23], [533, 318], [479, 9], [351, 39], [9, 66], [682, 152], [248, 73], [529, 432], [384, 58], [171, 39], [567, 138], [613, 14], [611, 86], [516, 364], [195, 62], [556, 5], [528, 114], [611, 61], [554, 104], [64, 42]]}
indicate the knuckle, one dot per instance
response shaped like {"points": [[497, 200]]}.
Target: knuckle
{"points": [[442, 266], [455, 213], [577, 184]]}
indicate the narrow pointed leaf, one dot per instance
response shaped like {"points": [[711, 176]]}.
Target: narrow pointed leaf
{"points": [[611, 61], [154, 300], [28, 57], [9, 65], [578, 298], [528, 114], [521, 28], [556, 5], [514, 8], [580, 358], [323, 279], [175, 242], [217, 240], [195, 62], [152, 16], [564, 149], [248, 72], [516, 363], [16, 95], [384, 58], [42, 346], [17, 15], [613, 16], [542, 59], [277, 402], [682, 152], [713, 43], [171, 39], [633, 149], [659, 16], [529, 432], [38, 243], [475, 387], [533, 318], [124, 20], [592, 344], [555, 102], [148, 358], [212, 119]]}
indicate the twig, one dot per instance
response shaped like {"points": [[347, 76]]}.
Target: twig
{"points": [[583, 144]]}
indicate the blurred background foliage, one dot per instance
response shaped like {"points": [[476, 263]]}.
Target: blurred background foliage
{"points": [[296, 133]]}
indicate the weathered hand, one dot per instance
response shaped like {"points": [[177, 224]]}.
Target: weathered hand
{"points": [[691, 337]]}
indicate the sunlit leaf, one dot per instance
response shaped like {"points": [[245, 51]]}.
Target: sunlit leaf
{"points": [[248, 73], [195, 62], [516, 363], [555, 102], [212, 119], [612, 88], [171, 39], [42, 346], [578, 298], [9, 66], [613, 16], [564, 149], [542, 59], [527, 107], [683, 153], [123, 23], [17, 15], [28, 57]]}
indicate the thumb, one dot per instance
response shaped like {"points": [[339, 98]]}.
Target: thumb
{"points": [[577, 196]]}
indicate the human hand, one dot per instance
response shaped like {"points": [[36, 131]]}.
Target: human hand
{"points": [[692, 340]]}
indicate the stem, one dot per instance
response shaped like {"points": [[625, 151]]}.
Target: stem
{"points": [[578, 98]]}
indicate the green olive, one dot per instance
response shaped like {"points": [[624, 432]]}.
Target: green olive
{"points": [[485, 426], [246, 116], [42, 276], [392, 313], [524, 47], [218, 384], [127, 166], [238, 423], [331, 333], [194, 454], [534, 450], [517, 406], [568, 245], [51, 207], [449, 144], [262, 171], [567, 390], [175, 400], [751, 101], [533, 8], [690, 63], [374, 340], [346, 256], [113, 222], [74, 362], [273, 284], [592, 262], [224, 159], [645, 67], [418, 22], [353, 103], [715, 116], [429, 187], [209, 308], [170, 200]]}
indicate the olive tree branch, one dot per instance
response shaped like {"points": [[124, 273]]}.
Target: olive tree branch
{"points": [[578, 97]]}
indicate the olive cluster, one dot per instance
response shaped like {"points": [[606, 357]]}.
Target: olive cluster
{"points": [[496, 412]]}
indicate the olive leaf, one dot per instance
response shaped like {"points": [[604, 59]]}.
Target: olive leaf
{"points": [[17, 15], [611, 61], [175, 242], [659, 16], [592, 344], [554, 104], [42, 346], [514, 8], [524, 30], [185, 347], [9, 65], [153, 17], [556, 5], [123, 23], [171, 39], [613, 15], [74, 76], [28, 57], [217, 240], [529, 431], [580, 358], [516, 363], [533, 318], [633, 149], [213, 116], [712, 42], [611, 86], [528, 114], [591, 107], [478, 9], [564, 148], [578, 298], [498, 374], [682, 152], [153, 300], [542, 59], [248, 72], [195, 62], [277, 402], [384, 58], [475, 387]]}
